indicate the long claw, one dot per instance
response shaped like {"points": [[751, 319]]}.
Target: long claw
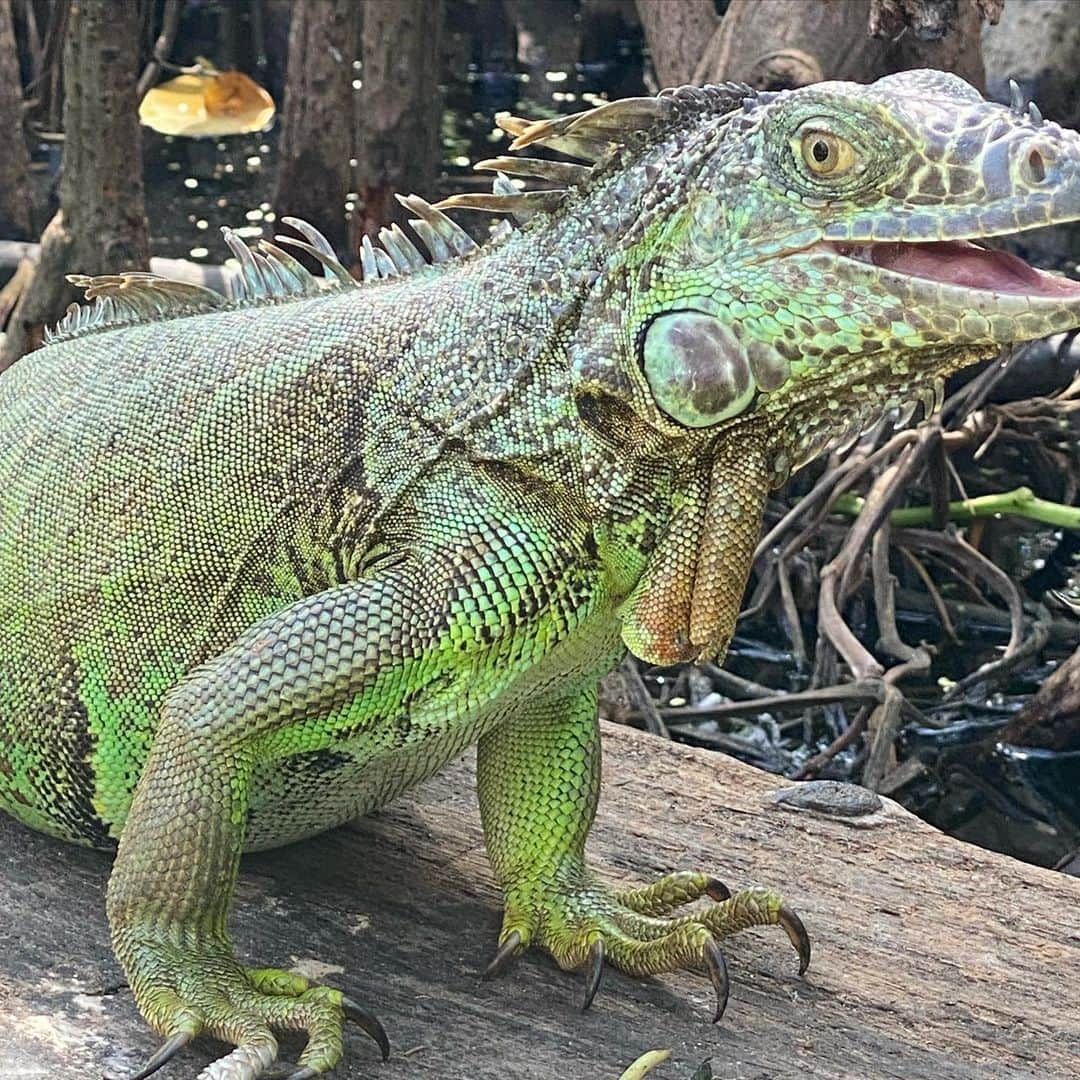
{"points": [[595, 973], [795, 930], [717, 890], [367, 1022], [717, 965], [165, 1054], [503, 955]]}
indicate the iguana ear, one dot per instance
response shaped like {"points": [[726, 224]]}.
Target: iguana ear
{"points": [[700, 372]]}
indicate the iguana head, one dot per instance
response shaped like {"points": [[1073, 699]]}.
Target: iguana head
{"points": [[806, 258], [780, 267]]}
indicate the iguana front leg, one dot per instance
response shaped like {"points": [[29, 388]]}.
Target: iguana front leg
{"points": [[538, 778], [296, 681]]}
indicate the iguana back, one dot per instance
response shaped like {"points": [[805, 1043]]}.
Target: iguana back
{"points": [[167, 484]]}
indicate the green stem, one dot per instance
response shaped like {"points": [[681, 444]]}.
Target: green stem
{"points": [[1020, 501]]}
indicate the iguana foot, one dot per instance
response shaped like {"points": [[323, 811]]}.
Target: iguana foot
{"points": [[187, 989], [582, 922]]}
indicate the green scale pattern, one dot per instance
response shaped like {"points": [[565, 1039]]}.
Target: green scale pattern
{"points": [[265, 567]]}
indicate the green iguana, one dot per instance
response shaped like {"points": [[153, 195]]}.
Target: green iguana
{"points": [[267, 563]]}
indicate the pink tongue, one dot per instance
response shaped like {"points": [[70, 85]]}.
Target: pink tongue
{"points": [[960, 263]]}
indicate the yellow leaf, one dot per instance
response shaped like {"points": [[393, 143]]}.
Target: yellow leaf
{"points": [[219, 103], [646, 1063]]}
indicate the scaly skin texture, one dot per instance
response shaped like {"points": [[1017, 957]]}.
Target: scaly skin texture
{"points": [[263, 569]]}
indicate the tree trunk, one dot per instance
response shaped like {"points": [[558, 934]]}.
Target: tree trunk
{"points": [[400, 108], [313, 178], [101, 189], [780, 44], [678, 32], [102, 227], [15, 160], [548, 40], [1037, 43]]}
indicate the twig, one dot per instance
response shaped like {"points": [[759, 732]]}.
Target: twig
{"points": [[641, 699], [812, 766], [932, 590], [1021, 502], [889, 639], [170, 22], [884, 722], [859, 691]]}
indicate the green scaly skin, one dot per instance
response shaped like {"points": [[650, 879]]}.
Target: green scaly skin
{"points": [[265, 568]]}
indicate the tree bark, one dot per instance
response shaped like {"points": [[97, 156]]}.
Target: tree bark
{"points": [[678, 32], [400, 108], [548, 39], [1037, 43], [781, 44], [15, 159], [313, 178], [933, 959], [101, 188], [102, 228]]}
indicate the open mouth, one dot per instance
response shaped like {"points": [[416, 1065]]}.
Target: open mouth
{"points": [[960, 262]]}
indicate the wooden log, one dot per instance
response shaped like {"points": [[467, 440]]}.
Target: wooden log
{"points": [[933, 960]]}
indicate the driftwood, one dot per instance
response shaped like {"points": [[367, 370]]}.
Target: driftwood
{"points": [[932, 959]]}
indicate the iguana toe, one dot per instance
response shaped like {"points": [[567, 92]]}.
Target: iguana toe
{"points": [[169, 1049], [796, 932], [208, 993], [595, 972], [584, 925]]}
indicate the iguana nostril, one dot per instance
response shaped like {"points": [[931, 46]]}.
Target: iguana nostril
{"points": [[1035, 166]]}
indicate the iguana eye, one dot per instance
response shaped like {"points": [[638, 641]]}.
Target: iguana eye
{"points": [[826, 154]]}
